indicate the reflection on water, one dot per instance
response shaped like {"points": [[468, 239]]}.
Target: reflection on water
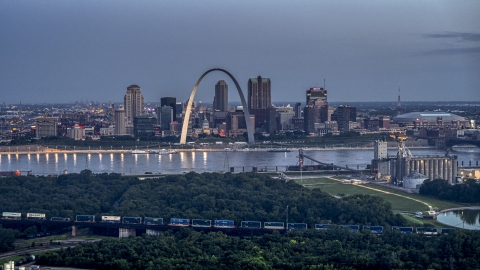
{"points": [[468, 219], [199, 161], [471, 217]]}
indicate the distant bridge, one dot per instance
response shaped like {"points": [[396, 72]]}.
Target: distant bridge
{"points": [[122, 229], [450, 142]]}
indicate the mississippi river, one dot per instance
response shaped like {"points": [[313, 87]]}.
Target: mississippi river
{"points": [[45, 164]]}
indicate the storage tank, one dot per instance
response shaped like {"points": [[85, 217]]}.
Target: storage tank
{"points": [[413, 180], [9, 265]]}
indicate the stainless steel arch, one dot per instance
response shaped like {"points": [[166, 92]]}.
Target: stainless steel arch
{"points": [[188, 110]]}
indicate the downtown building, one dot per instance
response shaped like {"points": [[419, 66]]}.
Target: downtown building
{"points": [[220, 101], [259, 99], [172, 103], [46, 127], [133, 104]]}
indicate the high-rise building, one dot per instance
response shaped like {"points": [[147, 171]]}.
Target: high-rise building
{"points": [[220, 102], [308, 119], [120, 122], [259, 99], [172, 102], [166, 117], [317, 98], [315, 93], [133, 103], [259, 93], [344, 115], [298, 110], [271, 125]]}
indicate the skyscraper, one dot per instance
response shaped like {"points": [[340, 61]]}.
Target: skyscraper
{"points": [[317, 98], [133, 103], [259, 99], [120, 122], [344, 115], [259, 93], [220, 102], [171, 102]]}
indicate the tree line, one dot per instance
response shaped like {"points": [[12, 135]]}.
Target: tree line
{"points": [[312, 249], [469, 192]]}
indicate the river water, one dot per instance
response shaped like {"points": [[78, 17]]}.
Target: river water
{"points": [[468, 219], [45, 164]]}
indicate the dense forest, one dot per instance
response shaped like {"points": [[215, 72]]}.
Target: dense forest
{"points": [[312, 249], [469, 192], [209, 196], [249, 197], [7, 237], [63, 196]]}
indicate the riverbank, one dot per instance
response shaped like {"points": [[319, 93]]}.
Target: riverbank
{"points": [[227, 148]]}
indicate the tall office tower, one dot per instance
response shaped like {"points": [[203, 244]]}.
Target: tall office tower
{"points": [[133, 103], [220, 102], [345, 115], [298, 110], [271, 125], [308, 119], [317, 98], [172, 102], [259, 99], [166, 117], [120, 122], [259, 93], [315, 93]]}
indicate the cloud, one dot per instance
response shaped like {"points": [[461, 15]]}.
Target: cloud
{"points": [[456, 35]]}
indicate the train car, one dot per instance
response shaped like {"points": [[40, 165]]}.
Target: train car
{"points": [[60, 219], [404, 230], [35, 216], [153, 221], [374, 229], [201, 223], [221, 223], [85, 218], [426, 231], [354, 228], [322, 226], [274, 225], [11, 215], [182, 222], [111, 219], [296, 226], [133, 220], [251, 224], [445, 231]]}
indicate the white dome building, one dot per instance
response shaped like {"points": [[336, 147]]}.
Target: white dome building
{"points": [[414, 180]]}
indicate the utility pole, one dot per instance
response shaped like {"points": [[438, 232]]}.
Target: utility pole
{"points": [[286, 225]]}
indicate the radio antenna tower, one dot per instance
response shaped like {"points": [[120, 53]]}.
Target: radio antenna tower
{"points": [[399, 105]]}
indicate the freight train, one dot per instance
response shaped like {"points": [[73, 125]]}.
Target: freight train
{"points": [[224, 224]]}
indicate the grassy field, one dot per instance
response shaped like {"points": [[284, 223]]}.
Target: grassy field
{"points": [[401, 201], [13, 258], [424, 222]]}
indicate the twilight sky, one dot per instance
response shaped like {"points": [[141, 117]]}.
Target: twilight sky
{"points": [[65, 51]]}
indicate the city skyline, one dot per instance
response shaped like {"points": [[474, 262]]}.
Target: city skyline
{"points": [[60, 52]]}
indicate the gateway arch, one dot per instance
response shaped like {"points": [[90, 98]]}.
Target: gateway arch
{"points": [[188, 110]]}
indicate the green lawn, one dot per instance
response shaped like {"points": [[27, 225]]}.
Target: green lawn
{"points": [[13, 258], [409, 204]]}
